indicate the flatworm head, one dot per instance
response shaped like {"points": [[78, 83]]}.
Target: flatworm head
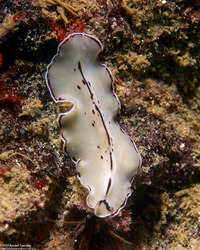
{"points": [[106, 158]]}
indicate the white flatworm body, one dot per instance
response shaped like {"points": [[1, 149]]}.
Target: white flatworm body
{"points": [[106, 158]]}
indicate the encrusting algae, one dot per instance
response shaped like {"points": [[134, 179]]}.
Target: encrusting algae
{"points": [[61, 6]]}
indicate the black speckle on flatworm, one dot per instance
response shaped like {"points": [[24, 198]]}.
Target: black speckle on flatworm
{"points": [[74, 69], [111, 162], [110, 209], [93, 111], [109, 184], [98, 147], [102, 157], [78, 87]]}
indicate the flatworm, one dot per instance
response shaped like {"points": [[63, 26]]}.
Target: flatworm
{"points": [[106, 158]]}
